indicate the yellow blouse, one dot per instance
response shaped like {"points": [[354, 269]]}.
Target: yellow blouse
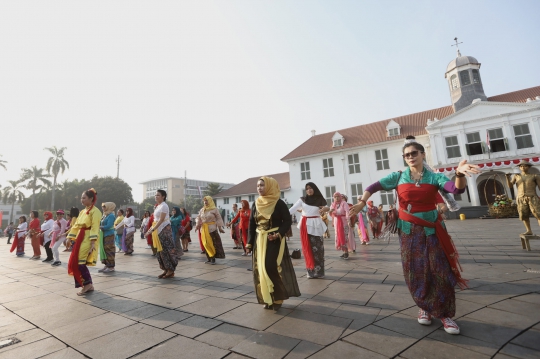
{"points": [[118, 220], [89, 221]]}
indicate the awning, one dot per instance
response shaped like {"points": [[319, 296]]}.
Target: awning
{"points": [[490, 165]]}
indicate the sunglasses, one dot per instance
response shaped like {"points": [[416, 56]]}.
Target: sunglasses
{"points": [[410, 154]]}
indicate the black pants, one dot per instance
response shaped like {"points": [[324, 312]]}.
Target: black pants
{"points": [[48, 251], [9, 237]]}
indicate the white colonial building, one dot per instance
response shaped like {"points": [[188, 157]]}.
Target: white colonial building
{"points": [[494, 132]]}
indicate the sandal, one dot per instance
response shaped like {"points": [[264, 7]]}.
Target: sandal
{"points": [[162, 275], [170, 275], [83, 292]]}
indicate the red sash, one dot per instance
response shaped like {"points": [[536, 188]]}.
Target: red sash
{"points": [[306, 247], [15, 242], [422, 199], [73, 264], [340, 234]]}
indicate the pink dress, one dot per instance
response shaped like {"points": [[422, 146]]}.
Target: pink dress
{"points": [[341, 225]]}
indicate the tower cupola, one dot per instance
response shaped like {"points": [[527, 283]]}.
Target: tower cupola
{"points": [[463, 76]]}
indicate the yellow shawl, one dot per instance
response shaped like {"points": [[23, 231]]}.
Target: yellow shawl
{"points": [[211, 204], [265, 204]]}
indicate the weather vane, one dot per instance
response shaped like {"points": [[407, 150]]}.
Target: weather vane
{"points": [[457, 46]]}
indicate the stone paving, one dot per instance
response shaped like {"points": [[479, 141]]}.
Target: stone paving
{"points": [[362, 309]]}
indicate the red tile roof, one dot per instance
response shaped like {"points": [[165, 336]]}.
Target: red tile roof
{"points": [[249, 186], [371, 133]]}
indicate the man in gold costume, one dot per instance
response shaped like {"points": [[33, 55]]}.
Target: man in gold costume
{"points": [[527, 199]]}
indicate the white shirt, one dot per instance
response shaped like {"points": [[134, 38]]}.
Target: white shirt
{"points": [[47, 227], [144, 223], [129, 223], [162, 208], [315, 226], [21, 229]]}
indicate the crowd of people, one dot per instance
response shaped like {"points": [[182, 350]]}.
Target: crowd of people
{"points": [[429, 258]]}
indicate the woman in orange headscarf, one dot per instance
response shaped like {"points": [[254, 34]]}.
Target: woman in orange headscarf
{"points": [[273, 273], [243, 214]]}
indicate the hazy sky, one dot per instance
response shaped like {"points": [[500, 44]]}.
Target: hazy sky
{"points": [[224, 89]]}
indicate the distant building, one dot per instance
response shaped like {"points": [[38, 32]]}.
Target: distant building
{"points": [[178, 187], [248, 190], [6, 214]]}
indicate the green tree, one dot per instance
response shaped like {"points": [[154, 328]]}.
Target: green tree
{"points": [[192, 204], [3, 163], [35, 179], [56, 165], [13, 194], [111, 189], [212, 189]]}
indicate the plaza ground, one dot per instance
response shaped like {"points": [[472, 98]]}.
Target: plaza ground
{"points": [[361, 309]]}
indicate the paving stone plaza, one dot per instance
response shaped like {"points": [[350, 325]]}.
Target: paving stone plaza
{"points": [[362, 309]]}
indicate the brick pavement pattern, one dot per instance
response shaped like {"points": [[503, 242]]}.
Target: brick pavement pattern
{"points": [[361, 309]]}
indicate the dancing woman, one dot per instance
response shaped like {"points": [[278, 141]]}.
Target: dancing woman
{"points": [[208, 222], [312, 229], [374, 218], [58, 236], [107, 236], [186, 223], [362, 229], [129, 232], [119, 232], [34, 231], [46, 235], [243, 216], [162, 236], [340, 213], [177, 230], [234, 225], [273, 273], [85, 232], [144, 223], [20, 234], [429, 258], [351, 242]]}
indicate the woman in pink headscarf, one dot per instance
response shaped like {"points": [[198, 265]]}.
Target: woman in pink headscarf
{"points": [[340, 214]]}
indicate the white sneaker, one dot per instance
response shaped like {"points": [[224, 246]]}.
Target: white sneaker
{"points": [[424, 317], [108, 270], [244, 254], [148, 247], [102, 270], [450, 326]]}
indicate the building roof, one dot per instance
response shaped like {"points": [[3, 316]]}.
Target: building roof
{"points": [[182, 178], [375, 132], [249, 186]]}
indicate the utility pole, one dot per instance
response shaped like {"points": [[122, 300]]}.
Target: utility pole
{"points": [[118, 160]]}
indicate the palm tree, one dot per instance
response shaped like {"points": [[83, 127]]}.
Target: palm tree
{"points": [[35, 180], [57, 164], [13, 194], [3, 163]]}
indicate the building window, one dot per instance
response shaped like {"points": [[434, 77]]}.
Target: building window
{"points": [[381, 157], [304, 171], [393, 132], [523, 136], [387, 197], [454, 82], [465, 78], [238, 199], [474, 144], [497, 142], [282, 196], [356, 190], [475, 76], [330, 190], [338, 143], [354, 163], [328, 167], [251, 198], [452, 147], [225, 200]]}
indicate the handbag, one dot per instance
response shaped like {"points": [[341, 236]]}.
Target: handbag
{"points": [[296, 254]]}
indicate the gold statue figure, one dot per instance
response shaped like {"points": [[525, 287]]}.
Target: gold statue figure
{"points": [[527, 199]]}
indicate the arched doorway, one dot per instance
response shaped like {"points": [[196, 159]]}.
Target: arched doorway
{"points": [[492, 188]]}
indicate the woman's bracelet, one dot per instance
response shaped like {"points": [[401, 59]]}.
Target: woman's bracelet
{"points": [[459, 174], [362, 201]]}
